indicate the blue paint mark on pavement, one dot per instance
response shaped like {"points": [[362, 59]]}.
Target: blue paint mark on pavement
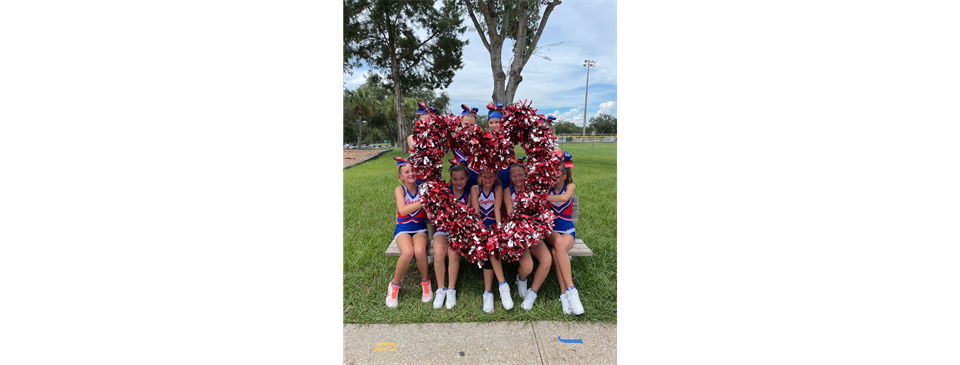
{"points": [[576, 340]]}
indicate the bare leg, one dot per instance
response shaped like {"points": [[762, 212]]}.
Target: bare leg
{"points": [[564, 244], [526, 266], [405, 244], [420, 251], [552, 242], [497, 268], [454, 266], [544, 258], [439, 252]]}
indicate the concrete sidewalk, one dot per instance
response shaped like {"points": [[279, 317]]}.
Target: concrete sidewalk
{"points": [[480, 343]]}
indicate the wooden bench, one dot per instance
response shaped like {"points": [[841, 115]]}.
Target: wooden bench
{"points": [[579, 248]]}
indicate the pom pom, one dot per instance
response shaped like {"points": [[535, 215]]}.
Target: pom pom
{"points": [[533, 216]]}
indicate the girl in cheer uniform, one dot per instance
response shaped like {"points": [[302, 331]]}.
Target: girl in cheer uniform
{"points": [[458, 182], [563, 235], [485, 198], [410, 234], [518, 176]]}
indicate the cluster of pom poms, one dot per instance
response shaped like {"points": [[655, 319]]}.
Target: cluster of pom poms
{"points": [[532, 218]]}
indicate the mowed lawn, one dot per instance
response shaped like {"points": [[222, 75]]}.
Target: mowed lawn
{"points": [[369, 218]]}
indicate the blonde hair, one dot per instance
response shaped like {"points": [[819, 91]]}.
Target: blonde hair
{"points": [[471, 115]]}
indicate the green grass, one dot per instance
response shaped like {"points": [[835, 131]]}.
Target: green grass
{"points": [[369, 218]]}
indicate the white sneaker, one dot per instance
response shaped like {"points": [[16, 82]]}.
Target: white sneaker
{"points": [[574, 297], [505, 296], [565, 303], [488, 302], [427, 292], [521, 287], [528, 301], [451, 298], [441, 295], [392, 292]]}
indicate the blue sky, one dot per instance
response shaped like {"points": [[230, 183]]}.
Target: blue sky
{"points": [[588, 30]]}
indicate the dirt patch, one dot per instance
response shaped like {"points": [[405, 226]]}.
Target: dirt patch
{"points": [[353, 157]]}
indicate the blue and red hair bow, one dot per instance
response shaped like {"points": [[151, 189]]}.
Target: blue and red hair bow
{"points": [[566, 156], [495, 110], [467, 110], [566, 159], [422, 108], [400, 161], [458, 159]]}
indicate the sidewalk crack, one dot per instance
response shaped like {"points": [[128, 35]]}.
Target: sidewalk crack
{"points": [[536, 338]]}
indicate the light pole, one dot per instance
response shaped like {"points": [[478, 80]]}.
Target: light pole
{"points": [[588, 64]]}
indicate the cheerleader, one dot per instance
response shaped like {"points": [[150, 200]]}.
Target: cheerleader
{"points": [[458, 182], [410, 233], [485, 198], [563, 235], [518, 177]]}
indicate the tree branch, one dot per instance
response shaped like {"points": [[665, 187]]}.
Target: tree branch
{"points": [[418, 46], [543, 24], [519, 44], [476, 24], [488, 16]]}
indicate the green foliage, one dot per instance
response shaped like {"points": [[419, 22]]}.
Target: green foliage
{"points": [[604, 124], [565, 127], [385, 31]]}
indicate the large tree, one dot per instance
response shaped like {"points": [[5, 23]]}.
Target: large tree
{"points": [[604, 124], [383, 35], [518, 20]]}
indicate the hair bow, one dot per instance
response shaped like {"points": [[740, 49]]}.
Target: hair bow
{"points": [[551, 118], [566, 159], [468, 110], [520, 160], [495, 110], [422, 108], [400, 161], [456, 161]]}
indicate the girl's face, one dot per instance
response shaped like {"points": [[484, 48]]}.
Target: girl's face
{"points": [[518, 175], [406, 174], [494, 124], [487, 177], [459, 179], [468, 120], [561, 178]]}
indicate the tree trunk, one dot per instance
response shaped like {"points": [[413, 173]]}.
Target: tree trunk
{"points": [[496, 65], [360, 134], [401, 114]]}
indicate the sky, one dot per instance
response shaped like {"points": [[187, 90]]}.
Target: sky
{"points": [[587, 30]]}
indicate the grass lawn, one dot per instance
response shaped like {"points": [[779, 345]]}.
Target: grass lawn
{"points": [[369, 217]]}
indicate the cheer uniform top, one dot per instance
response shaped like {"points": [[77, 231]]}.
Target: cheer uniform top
{"points": [[563, 223], [461, 199], [487, 202], [414, 222]]}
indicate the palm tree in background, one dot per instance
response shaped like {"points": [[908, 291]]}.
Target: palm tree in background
{"points": [[362, 103]]}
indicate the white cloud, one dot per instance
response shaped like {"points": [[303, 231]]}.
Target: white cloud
{"points": [[608, 108]]}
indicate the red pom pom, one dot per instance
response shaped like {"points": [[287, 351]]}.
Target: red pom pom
{"points": [[533, 216]]}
